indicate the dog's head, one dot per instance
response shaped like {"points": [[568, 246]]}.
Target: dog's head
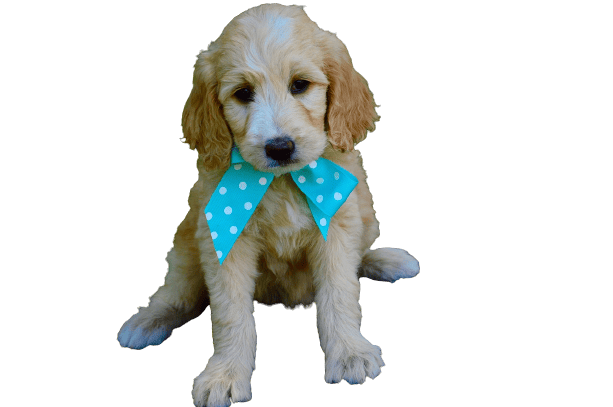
{"points": [[278, 87]]}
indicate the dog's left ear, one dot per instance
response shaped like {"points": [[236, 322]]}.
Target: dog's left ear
{"points": [[351, 106]]}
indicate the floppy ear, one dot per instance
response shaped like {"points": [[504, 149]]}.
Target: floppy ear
{"points": [[204, 126], [351, 106]]}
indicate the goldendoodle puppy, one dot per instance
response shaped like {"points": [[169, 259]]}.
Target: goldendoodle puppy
{"points": [[273, 95]]}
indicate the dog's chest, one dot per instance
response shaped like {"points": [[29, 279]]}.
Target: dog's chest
{"points": [[286, 207], [284, 218]]}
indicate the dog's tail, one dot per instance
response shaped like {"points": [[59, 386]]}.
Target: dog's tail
{"points": [[388, 264]]}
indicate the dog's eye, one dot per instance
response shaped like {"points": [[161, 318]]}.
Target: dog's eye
{"points": [[244, 95], [299, 86]]}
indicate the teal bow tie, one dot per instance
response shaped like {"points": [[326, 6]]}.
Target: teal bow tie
{"points": [[325, 184]]}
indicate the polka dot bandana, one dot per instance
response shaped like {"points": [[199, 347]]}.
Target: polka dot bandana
{"points": [[325, 184]]}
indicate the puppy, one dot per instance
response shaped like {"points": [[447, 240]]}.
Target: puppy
{"points": [[284, 93]]}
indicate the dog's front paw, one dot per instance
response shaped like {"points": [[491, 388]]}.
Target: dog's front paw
{"points": [[353, 363], [221, 384], [143, 329]]}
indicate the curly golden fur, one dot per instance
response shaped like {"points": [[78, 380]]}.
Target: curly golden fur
{"points": [[280, 257]]}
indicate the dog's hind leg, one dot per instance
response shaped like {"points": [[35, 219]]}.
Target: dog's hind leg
{"points": [[182, 297], [388, 264]]}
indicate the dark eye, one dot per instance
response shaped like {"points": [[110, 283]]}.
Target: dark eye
{"points": [[244, 95], [299, 86]]}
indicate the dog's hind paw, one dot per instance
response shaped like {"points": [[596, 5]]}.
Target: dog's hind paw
{"points": [[142, 330], [387, 264]]}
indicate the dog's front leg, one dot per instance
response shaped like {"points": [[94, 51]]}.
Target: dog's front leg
{"points": [[348, 354], [231, 287]]}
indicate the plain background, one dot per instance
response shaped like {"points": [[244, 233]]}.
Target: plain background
{"points": [[491, 164]]}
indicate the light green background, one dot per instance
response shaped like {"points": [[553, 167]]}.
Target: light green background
{"points": [[491, 164]]}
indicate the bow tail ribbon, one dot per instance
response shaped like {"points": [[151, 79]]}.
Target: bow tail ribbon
{"points": [[237, 195]]}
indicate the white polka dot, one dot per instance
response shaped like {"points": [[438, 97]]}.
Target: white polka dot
{"points": [[209, 215], [238, 167], [337, 176], [320, 180], [214, 235], [263, 181], [248, 205], [338, 196], [223, 190], [323, 222], [233, 230], [242, 185], [301, 179], [219, 254], [313, 164], [228, 210], [320, 198]]}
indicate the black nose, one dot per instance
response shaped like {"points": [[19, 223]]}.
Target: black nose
{"points": [[280, 148]]}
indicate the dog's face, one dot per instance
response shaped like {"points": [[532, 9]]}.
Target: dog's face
{"points": [[273, 92], [278, 87]]}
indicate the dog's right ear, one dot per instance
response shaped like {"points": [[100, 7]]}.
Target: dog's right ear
{"points": [[204, 126]]}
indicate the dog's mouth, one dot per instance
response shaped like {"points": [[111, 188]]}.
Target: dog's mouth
{"points": [[280, 167], [272, 164]]}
